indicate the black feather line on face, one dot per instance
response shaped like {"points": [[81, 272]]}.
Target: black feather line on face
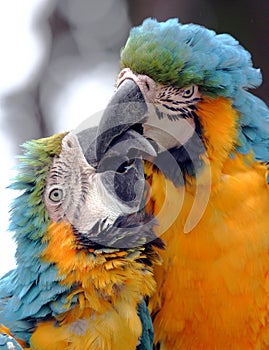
{"points": [[160, 114], [183, 112], [187, 156], [127, 232]]}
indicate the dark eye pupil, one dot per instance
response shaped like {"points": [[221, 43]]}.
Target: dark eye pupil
{"points": [[188, 92], [56, 195]]}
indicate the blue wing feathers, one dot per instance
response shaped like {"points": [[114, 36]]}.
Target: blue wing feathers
{"points": [[146, 339], [25, 299], [8, 343]]}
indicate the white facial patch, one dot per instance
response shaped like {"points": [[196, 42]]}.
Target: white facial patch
{"points": [[170, 120], [75, 192], [168, 134]]}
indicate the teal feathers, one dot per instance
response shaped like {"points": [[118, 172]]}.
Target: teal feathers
{"points": [[8, 343], [28, 292], [147, 336], [184, 54]]}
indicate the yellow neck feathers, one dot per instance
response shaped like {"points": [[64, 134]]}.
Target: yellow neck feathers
{"points": [[109, 286]]}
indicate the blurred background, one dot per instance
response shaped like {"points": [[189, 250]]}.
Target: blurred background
{"points": [[59, 60]]}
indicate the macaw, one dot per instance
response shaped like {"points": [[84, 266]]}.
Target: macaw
{"points": [[184, 88], [84, 249]]}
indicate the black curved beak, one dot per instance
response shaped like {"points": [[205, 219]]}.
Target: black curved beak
{"points": [[126, 109], [120, 167]]}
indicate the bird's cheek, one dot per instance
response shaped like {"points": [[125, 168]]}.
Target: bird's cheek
{"points": [[54, 211], [169, 133]]}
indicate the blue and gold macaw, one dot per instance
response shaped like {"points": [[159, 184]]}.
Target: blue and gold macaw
{"points": [[84, 249], [185, 89]]}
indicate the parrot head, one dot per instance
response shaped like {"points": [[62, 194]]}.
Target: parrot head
{"points": [[84, 242], [101, 200], [184, 88]]}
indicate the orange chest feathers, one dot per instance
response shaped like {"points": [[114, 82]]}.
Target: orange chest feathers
{"points": [[108, 288]]}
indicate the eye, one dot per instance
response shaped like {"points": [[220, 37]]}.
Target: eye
{"points": [[188, 92], [56, 195]]}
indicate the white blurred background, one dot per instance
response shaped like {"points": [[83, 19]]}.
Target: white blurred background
{"points": [[59, 61]]}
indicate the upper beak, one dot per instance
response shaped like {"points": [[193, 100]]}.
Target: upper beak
{"points": [[126, 108]]}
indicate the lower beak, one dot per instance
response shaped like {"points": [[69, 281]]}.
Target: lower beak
{"points": [[126, 109]]}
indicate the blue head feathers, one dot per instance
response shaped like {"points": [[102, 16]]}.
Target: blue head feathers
{"points": [[183, 54]]}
